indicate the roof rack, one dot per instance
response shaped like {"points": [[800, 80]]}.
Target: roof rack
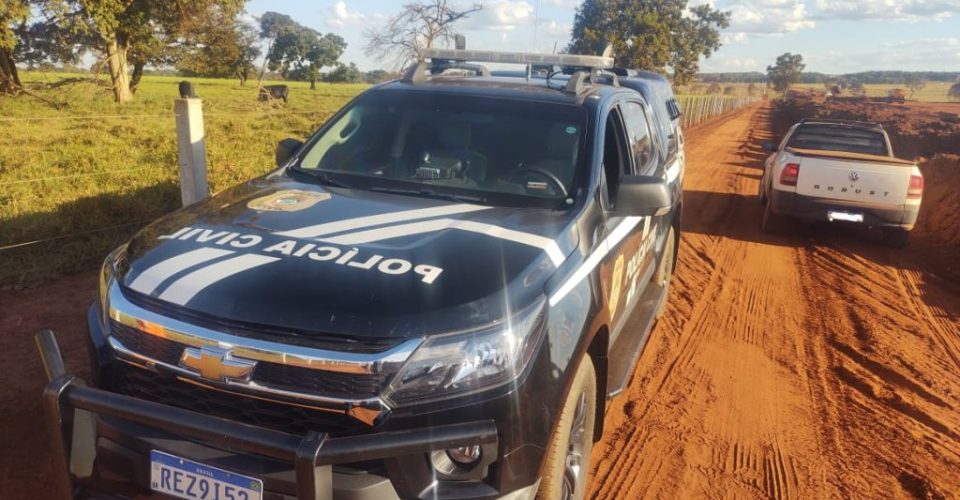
{"points": [[598, 62], [583, 69], [841, 121]]}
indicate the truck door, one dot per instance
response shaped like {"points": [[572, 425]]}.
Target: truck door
{"points": [[626, 268]]}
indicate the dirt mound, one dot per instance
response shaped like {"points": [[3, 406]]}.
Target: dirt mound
{"points": [[939, 219], [915, 129]]}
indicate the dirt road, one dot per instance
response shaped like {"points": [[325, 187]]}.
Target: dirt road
{"points": [[807, 365], [810, 364]]}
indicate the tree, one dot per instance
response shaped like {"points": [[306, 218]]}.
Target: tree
{"points": [[856, 88], [297, 51], [786, 71], [954, 92], [650, 34], [134, 30], [219, 44], [344, 74], [13, 17], [914, 83], [714, 88], [419, 25], [378, 76]]}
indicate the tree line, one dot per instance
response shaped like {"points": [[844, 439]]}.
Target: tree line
{"points": [[215, 38], [211, 38]]}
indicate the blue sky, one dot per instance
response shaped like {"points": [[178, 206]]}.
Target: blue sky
{"points": [[834, 36]]}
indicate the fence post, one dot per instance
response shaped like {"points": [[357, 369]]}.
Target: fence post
{"points": [[192, 149]]}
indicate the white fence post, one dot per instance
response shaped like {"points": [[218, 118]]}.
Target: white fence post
{"points": [[190, 140]]}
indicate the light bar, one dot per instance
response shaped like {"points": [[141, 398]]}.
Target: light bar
{"points": [[519, 58]]}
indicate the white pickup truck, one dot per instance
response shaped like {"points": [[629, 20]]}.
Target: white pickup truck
{"points": [[841, 171]]}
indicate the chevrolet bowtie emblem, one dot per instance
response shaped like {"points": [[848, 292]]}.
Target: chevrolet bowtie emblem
{"points": [[216, 363]]}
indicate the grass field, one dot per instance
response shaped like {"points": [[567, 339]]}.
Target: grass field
{"points": [[77, 181], [931, 92], [96, 164]]}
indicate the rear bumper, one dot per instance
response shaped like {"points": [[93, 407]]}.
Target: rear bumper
{"points": [[813, 209], [112, 433]]}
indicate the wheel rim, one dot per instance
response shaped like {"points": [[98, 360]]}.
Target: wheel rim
{"points": [[573, 476]]}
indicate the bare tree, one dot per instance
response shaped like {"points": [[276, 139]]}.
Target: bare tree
{"points": [[417, 27]]}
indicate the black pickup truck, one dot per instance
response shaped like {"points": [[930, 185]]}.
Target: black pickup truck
{"points": [[431, 297]]}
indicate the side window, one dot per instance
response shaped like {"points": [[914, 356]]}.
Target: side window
{"points": [[641, 146], [616, 163]]}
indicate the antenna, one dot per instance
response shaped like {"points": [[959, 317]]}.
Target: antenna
{"points": [[536, 24]]}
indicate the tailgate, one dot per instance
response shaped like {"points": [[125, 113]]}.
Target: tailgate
{"points": [[862, 182]]}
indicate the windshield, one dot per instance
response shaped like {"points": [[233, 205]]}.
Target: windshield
{"points": [[827, 138], [480, 147]]}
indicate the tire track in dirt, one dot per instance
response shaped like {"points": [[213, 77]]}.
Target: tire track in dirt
{"points": [[807, 364]]}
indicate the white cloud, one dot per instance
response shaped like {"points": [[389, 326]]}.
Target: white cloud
{"points": [[906, 55], [553, 28], [768, 17], [720, 63], [565, 4], [501, 15], [888, 10], [341, 16], [729, 38]]}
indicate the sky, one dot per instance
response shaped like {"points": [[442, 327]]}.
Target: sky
{"points": [[834, 36]]}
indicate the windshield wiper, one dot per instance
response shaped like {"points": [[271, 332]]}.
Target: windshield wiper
{"points": [[426, 193], [324, 178]]}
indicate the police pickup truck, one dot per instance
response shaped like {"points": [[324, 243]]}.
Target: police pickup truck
{"points": [[431, 297], [841, 171]]}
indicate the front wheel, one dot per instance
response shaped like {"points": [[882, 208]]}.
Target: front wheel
{"points": [[568, 457]]}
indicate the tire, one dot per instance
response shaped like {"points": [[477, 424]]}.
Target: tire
{"points": [[771, 221], [665, 269], [568, 456], [896, 237], [762, 192]]}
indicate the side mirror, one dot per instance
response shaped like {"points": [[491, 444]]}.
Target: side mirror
{"points": [[286, 149], [768, 147], [643, 196]]}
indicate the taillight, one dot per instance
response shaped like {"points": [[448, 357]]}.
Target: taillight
{"points": [[915, 191], [789, 174]]}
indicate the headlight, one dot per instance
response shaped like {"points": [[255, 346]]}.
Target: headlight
{"points": [[108, 274], [458, 364]]}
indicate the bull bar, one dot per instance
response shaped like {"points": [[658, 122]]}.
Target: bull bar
{"points": [[73, 434]]}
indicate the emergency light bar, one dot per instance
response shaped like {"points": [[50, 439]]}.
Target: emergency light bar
{"points": [[598, 62]]}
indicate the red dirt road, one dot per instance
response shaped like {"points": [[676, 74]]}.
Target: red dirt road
{"points": [[805, 365], [811, 364]]}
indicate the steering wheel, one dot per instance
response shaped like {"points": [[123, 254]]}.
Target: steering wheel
{"points": [[545, 174]]}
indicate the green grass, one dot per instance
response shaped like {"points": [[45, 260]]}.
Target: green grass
{"points": [[47, 156], [931, 92]]}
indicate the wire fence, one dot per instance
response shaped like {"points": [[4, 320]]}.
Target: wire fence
{"points": [[700, 108]]}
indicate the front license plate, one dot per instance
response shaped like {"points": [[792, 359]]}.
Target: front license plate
{"points": [[845, 216], [183, 478]]}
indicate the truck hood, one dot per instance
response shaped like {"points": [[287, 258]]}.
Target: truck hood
{"points": [[283, 255]]}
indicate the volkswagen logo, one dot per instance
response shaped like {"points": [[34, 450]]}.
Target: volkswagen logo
{"points": [[854, 176]]}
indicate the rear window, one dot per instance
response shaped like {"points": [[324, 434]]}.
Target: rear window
{"points": [[827, 138]]}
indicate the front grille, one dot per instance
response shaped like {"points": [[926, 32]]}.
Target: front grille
{"points": [[144, 384], [291, 378]]}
